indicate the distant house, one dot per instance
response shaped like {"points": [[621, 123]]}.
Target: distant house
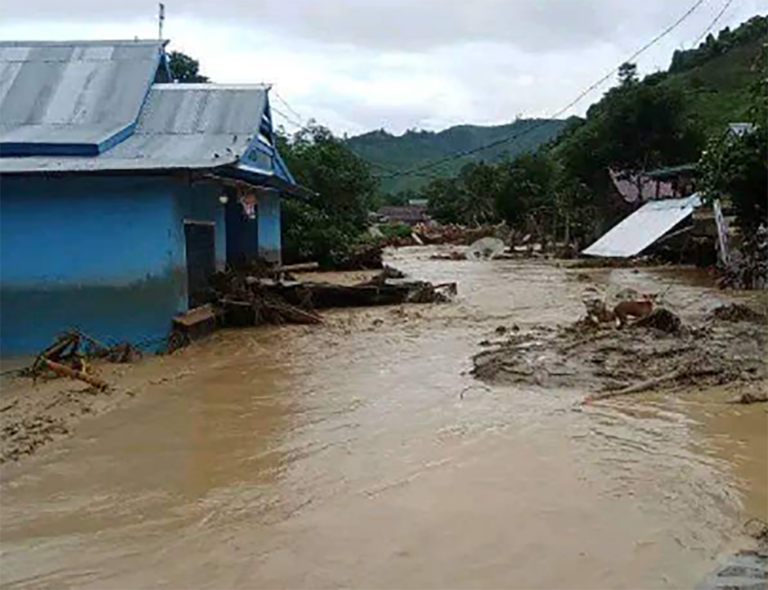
{"points": [[407, 214], [664, 183], [121, 192], [740, 129]]}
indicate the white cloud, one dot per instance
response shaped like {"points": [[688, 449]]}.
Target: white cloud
{"points": [[357, 65]]}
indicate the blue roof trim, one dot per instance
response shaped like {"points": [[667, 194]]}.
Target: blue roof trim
{"points": [[92, 142], [15, 150], [282, 170], [23, 150], [276, 172]]}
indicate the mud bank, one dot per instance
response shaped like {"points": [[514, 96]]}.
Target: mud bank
{"points": [[726, 348]]}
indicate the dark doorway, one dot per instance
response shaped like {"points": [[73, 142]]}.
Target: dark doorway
{"points": [[200, 240], [242, 233]]}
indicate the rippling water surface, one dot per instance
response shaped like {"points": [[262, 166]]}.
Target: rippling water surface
{"points": [[362, 454]]}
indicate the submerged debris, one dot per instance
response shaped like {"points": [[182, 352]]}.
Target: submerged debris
{"points": [[367, 256], [746, 570], [247, 300]]}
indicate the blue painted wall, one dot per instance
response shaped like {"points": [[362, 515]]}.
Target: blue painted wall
{"points": [[270, 243], [105, 254]]}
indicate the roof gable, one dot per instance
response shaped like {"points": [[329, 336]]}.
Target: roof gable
{"points": [[72, 98]]}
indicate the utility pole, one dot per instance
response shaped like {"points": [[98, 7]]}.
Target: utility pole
{"points": [[160, 21]]}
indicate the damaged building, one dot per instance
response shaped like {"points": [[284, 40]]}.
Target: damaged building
{"points": [[121, 191]]}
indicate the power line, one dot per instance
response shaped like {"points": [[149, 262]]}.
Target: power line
{"points": [[712, 25], [288, 119], [301, 126], [559, 113], [293, 111]]}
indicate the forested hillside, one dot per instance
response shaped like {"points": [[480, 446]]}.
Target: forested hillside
{"points": [[413, 148]]}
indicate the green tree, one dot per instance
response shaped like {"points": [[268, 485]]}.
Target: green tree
{"points": [[644, 126], [185, 68], [328, 224], [342, 182], [528, 190], [735, 168], [628, 74], [444, 198], [468, 199]]}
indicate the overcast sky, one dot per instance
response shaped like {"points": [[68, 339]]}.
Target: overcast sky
{"points": [[357, 65]]}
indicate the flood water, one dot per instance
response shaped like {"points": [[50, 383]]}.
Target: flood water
{"points": [[362, 454]]}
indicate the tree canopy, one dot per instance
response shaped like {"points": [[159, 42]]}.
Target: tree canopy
{"points": [[327, 225], [185, 68]]}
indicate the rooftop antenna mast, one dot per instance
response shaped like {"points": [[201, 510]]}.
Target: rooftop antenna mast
{"points": [[160, 21]]}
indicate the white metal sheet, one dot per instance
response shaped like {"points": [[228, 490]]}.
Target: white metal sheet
{"points": [[644, 227]]}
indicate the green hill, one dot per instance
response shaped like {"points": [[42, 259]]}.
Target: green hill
{"points": [[402, 152], [717, 75]]}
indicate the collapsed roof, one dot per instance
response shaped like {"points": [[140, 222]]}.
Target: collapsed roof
{"points": [[643, 228]]}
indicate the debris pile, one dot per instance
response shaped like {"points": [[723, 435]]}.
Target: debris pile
{"points": [[661, 319], [247, 300], [656, 352], [70, 354], [748, 268], [366, 256], [435, 234], [736, 312]]}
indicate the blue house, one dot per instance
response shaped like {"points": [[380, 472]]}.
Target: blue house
{"points": [[121, 191]]}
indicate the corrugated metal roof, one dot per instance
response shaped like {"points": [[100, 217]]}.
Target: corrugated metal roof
{"points": [[644, 227], [181, 126], [203, 108], [741, 129], [74, 95]]}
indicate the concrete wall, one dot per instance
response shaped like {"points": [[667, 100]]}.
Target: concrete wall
{"points": [[105, 254]]}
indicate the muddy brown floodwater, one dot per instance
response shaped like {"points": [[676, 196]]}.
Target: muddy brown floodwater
{"points": [[363, 454]]}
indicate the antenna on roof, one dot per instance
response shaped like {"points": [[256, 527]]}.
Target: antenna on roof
{"points": [[160, 21]]}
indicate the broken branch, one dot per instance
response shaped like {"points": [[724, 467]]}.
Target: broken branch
{"points": [[64, 371]]}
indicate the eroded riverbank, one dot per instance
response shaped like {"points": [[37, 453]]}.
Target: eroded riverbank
{"points": [[363, 454]]}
